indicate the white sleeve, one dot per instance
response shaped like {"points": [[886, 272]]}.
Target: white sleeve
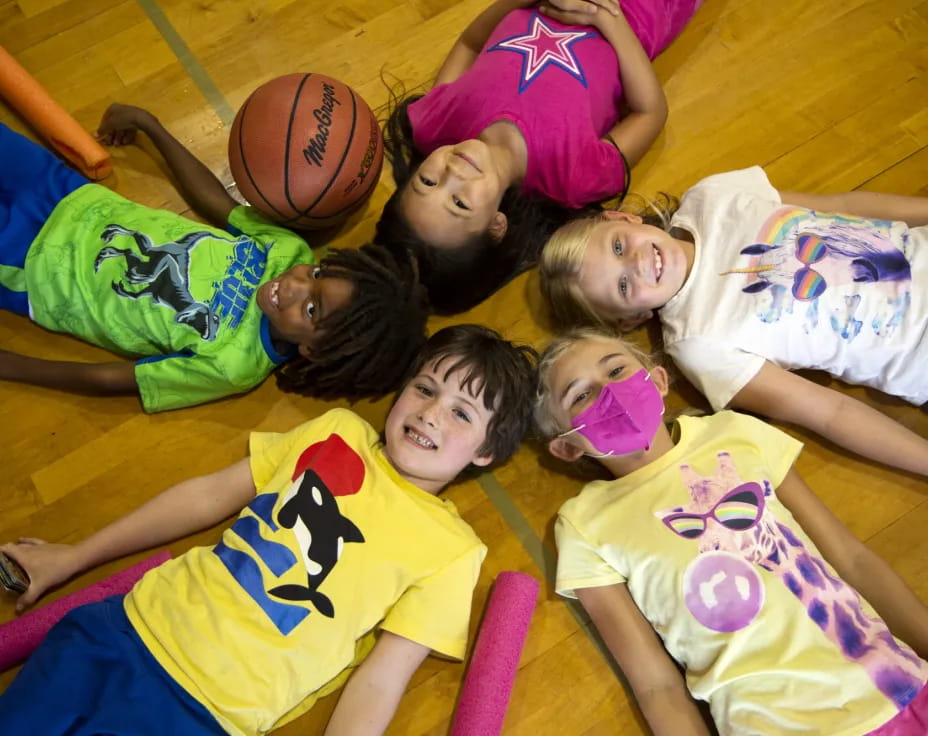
{"points": [[717, 370]]}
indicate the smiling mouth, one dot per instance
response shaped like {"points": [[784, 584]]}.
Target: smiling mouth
{"points": [[273, 298], [419, 439], [658, 264], [469, 161]]}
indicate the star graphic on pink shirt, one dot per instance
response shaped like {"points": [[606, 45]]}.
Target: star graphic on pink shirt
{"points": [[542, 46]]}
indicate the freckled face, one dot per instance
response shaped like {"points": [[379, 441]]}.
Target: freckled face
{"points": [[629, 268], [436, 428], [454, 194], [299, 299]]}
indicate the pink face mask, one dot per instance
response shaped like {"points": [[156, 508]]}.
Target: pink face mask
{"points": [[624, 418]]}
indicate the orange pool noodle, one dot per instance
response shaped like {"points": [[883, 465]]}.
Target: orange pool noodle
{"points": [[31, 100]]}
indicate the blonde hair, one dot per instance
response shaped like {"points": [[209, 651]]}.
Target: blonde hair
{"points": [[546, 425], [562, 257]]}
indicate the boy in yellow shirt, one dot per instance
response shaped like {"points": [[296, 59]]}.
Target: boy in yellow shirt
{"points": [[339, 534]]}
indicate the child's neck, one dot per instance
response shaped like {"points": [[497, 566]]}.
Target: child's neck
{"points": [[510, 154], [622, 465], [688, 246]]}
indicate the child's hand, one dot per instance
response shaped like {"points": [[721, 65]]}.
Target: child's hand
{"points": [[579, 12], [47, 565], [120, 123]]}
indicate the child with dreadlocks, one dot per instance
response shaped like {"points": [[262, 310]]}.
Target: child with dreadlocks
{"points": [[536, 112], [211, 312]]}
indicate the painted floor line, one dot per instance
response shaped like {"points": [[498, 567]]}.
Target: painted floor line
{"points": [[185, 56], [546, 560]]}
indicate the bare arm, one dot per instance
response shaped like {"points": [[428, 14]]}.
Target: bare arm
{"points": [[198, 185], [902, 610], [849, 423], [911, 210], [469, 43], [647, 105], [95, 379], [182, 509], [659, 688], [370, 698]]}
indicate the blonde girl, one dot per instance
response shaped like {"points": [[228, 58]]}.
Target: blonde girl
{"points": [[708, 552], [751, 283]]}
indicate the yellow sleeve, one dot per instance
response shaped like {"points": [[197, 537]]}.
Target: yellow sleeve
{"points": [[778, 449], [435, 612], [579, 564], [269, 450]]}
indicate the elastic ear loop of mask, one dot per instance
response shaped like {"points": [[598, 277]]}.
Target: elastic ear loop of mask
{"points": [[605, 454]]}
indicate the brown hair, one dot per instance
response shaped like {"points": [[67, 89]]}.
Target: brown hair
{"points": [[501, 370]]}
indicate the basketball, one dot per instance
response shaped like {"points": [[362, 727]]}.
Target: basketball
{"points": [[306, 150]]}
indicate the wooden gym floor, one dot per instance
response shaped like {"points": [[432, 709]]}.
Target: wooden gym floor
{"points": [[827, 95]]}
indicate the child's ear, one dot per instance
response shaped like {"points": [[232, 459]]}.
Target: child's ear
{"points": [[498, 226], [481, 461], [626, 324], [661, 379], [563, 449], [619, 215], [306, 351]]}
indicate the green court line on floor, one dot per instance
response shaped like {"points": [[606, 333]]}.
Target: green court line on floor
{"points": [[185, 56], [546, 560]]}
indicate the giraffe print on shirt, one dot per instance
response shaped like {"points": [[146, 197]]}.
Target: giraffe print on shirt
{"points": [[736, 534]]}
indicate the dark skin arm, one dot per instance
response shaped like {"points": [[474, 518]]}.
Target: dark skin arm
{"points": [[96, 379], [204, 192], [198, 185]]}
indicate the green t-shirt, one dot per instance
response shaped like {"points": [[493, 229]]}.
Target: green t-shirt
{"points": [[146, 282]]}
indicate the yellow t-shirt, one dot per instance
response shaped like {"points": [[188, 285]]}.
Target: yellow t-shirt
{"points": [[334, 545], [768, 633]]}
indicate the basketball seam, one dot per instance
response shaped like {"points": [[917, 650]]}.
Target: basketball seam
{"points": [[296, 103], [341, 162], [241, 150]]}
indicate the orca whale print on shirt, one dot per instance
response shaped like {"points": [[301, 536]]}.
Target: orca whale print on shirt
{"points": [[324, 471]]}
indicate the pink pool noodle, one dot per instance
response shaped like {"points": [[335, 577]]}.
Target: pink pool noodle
{"points": [[19, 637], [488, 683]]}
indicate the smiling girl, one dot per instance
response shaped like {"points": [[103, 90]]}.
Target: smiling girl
{"points": [[537, 111]]}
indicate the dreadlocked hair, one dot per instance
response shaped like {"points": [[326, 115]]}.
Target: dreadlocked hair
{"points": [[460, 278], [496, 369], [364, 349]]}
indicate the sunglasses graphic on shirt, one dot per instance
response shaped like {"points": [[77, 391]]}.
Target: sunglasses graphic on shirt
{"points": [[738, 510], [808, 284]]}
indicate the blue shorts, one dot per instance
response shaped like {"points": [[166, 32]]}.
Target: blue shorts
{"points": [[32, 183], [93, 675]]}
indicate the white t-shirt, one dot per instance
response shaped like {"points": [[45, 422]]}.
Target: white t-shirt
{"points": [[802, 289]]}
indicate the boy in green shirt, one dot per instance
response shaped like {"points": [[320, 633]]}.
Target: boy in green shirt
{"points": [[211, 312]]}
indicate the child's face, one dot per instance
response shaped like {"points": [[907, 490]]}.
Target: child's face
{"points": [[575, 381], [455, 194], [580, 373], [630, 268], [298, 300], [436, 428]]}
